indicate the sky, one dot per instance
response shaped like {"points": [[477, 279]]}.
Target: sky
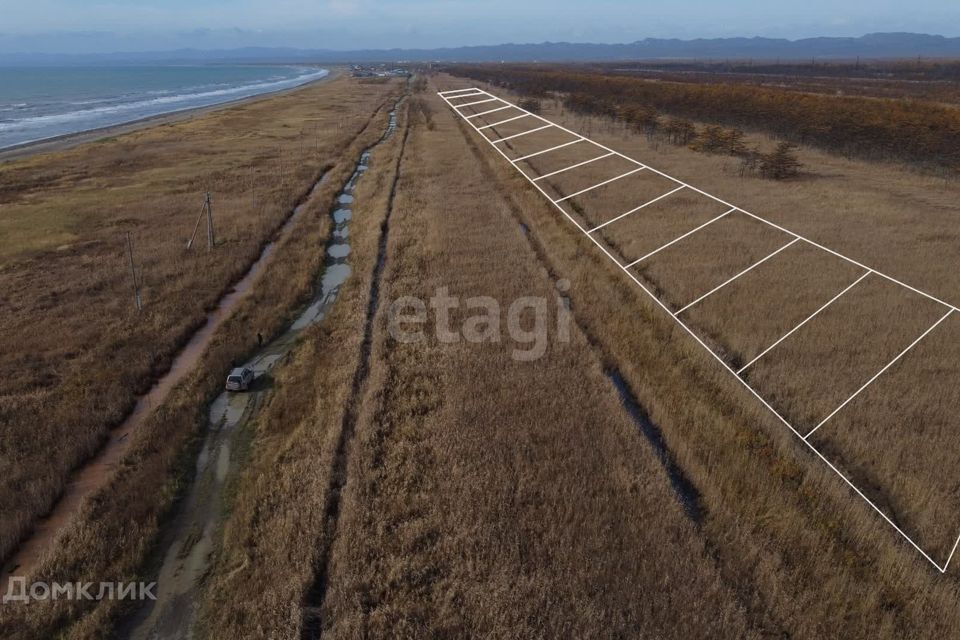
{"points": [[100, 26]]}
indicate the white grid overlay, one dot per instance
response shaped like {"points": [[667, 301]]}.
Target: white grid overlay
{"points": [[448, 95]]}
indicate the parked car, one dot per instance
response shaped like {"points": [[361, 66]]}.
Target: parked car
{"points": [[240, 379]]}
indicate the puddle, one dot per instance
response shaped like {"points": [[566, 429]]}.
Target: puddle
{"points": [[95, 473], [198, 516], [312, 625], [338, 251]]}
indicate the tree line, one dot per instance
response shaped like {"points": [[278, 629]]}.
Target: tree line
{"points": [[919, 132], [779, 164]]}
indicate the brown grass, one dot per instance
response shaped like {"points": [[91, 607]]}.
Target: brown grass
{"points": [[795, 544], [748, 323], [278, 528], [912, 435], [488, 497], [112, 535], [74, 353], [923, 132], [823, 363]]}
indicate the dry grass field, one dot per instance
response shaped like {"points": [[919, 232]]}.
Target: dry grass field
{"points": [[113, 533], [896, 127], [795, 541], [587, 469], [493, 497], [483, 496], [823, 363], [74, 353], [279, 527]]}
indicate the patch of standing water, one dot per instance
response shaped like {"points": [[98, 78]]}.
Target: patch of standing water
{"points": [[338, 251], [190, 539]]}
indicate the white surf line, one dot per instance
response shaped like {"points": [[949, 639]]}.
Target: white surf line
{"points": [[635, 209], [522, 133], [805, 321], [878, 373], [729, 280], [693, 335], [678, 239], [497, 124], [483, 113], [599, 184], [573, 166], [539, 153], [470, 104]]}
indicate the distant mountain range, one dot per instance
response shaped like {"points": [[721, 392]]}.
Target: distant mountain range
{"points": [[874, 45]]}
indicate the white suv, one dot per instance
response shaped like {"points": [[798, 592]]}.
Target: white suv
{"points": [[240, 379]]}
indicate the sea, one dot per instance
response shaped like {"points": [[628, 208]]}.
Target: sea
{"points": [[37, 103]]}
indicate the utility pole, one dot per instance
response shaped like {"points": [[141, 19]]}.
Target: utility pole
{"points": [[133, 272], [207, 209], [211, 240]]}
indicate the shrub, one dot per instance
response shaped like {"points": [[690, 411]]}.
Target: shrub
{"points": [[781, 163], [530, 104]]}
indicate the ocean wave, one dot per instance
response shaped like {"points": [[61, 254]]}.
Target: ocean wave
{"points": [[159, 105]]}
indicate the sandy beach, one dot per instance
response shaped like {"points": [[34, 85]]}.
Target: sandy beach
{"points": [[59, 143]]}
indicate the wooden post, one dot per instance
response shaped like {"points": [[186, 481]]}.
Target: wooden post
{"points": [[196, 226], [133, 272], [211, 239]]}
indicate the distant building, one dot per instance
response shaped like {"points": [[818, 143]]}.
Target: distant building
{"points": [[378, 71]]}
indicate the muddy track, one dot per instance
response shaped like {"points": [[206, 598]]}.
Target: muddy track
{"points": [[95, 472], [313, 603], [193, 535]]}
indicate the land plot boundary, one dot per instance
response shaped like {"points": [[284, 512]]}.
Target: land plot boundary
{"points": [[941, 567]]}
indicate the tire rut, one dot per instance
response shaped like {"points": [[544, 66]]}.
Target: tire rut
{"points": [[312, 611]]}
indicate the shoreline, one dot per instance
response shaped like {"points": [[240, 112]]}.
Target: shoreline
{"points": [[70, 140]]}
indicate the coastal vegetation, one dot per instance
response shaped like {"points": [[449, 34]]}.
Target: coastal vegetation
{"points": [[920, 132], [77, 299], [483, 496], [619, 482], [780, 523]]}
